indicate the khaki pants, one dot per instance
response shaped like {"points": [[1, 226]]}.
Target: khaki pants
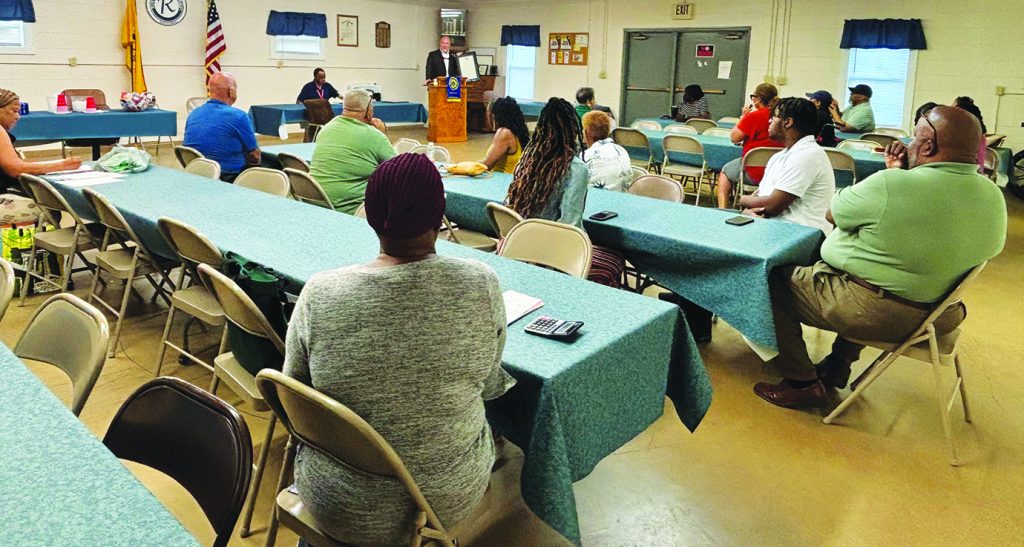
{"points": [[823, 297]]}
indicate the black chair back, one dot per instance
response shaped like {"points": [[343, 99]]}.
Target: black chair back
{"points": [[318, 111]]}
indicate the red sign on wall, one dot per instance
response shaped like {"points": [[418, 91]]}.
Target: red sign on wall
{"points": [[705, 50]]}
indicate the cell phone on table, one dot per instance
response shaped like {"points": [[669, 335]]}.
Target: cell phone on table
{"points": [[603, 215], [739, 220]]}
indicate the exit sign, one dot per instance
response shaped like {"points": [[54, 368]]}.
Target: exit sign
{"points": [[682, 11]]}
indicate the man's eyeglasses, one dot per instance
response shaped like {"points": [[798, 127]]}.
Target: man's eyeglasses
{"points": [[935, 134]]}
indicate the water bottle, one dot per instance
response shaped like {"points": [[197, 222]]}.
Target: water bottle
{"points": [[430, 151]]}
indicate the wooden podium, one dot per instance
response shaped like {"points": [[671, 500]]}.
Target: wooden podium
{"points": [[446, 121]]}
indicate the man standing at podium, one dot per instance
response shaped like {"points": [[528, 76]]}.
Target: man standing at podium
{"points": [[442, 62]]}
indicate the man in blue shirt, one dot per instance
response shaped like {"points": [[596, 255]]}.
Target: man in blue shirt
{"points": [[222, 133], [318, 88]]}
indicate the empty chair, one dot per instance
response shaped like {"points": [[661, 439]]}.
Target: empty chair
{"points": [[857, 144], [195, 438], [192, 248], [657, 187], [638, 172], [193, 103], [756, 157], [186, 154], [549, 244], [636, 144], [204, 167], [725, 120], [681, 129], [923, 345], [717, 132], [101, 104], [82, 332], [468, 238], [441, 154], [405, 145], [291, 161], [318, 113], [243, 313], [891, 131], [127, 262], [879, 138], [694, 150], [306, 189], [502, 218], [992, 164], [646, 124], [701, 125], [262, 179], [65, 242], [841, 161], [6, 286]]}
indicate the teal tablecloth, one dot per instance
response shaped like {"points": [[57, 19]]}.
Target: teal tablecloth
{"points": [[531, 109], [575, 403], [46, 126], [59, 485], [268, 118]]}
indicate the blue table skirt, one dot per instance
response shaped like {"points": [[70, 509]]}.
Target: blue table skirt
{"points": [[531, 109], [269, 117], [46, 126], [575, 403]]}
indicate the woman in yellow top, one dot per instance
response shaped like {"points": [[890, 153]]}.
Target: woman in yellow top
{"points": [[510, 137]]}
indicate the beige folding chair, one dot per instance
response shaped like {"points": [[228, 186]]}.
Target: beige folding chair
{"points": [[291, 161], [242, 312], [756, 157], [681, 129], [728, 119], [841, 161], [406, 145], [638, 172], [646, 124], [923, 345], [549, 244], [658, 187], [857, 144], [71, 335], [717, 132], [992, 164], [192, 248], [701, 125], [195, 102], [686, 144], [467, 238], [186, 154], [879, 138], [441, 153], [64, 242], [502, 218], [129, 261], [636, 144], [360, 212], [262, 179], [306, 189], [6, 286], [204, 167], [891, 131]]}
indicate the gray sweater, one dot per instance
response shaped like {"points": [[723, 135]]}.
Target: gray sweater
{"points": [[414, 350]]}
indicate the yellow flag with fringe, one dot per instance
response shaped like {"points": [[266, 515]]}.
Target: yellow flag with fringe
{"points": [[133, 47]]}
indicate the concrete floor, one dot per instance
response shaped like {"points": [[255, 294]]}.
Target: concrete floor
{"points": [[752, 473]]}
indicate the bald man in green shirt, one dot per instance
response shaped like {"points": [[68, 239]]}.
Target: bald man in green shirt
{"points": [[904, 238]]}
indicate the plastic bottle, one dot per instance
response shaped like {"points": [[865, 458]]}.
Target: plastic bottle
{"points": [[430, 151]]}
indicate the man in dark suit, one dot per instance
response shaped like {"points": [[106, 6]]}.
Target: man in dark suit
{"points": [[318, 88], [441, 62]]}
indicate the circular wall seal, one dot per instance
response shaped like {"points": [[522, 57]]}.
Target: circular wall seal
{"points": [[166, 12]]}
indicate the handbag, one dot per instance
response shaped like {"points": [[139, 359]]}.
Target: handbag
{"points": [[266, 289]]}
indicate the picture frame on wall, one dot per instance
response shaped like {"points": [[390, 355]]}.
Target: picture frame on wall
{"points": [[348, 31]]}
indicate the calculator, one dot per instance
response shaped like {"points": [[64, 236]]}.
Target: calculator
{"points": [[552, 328]]}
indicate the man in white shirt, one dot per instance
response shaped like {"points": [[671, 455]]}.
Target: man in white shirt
{"points": [[607, 163], [798, 182]]}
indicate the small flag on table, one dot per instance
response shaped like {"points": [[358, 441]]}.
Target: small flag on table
{"points": [[215, 44]]}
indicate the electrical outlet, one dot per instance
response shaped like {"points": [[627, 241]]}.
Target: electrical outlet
{"points": [[280, 64], [72, 61], [603, 74], [781, 80], [1000, 90]]}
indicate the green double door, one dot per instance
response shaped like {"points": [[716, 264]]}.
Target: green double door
{"points": [[660, 63]]}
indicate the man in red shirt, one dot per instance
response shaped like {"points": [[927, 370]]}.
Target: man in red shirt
{"points": [[752, 132]]}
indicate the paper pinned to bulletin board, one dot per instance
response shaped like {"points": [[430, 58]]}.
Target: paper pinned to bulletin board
{"points": [[569, 48]]}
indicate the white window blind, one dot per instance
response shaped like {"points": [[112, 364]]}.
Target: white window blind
{"points": [[12, 34], [885, 70], [297, 47], [519, 73]]}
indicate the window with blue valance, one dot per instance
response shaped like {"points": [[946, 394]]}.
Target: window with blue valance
{"points": [[883, 33], [520, 35], [290, 23], [17, 10]]}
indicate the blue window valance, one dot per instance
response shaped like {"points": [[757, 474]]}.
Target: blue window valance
{"points": [[520, 35], [17, 10], [290, 23], [883, 33]]}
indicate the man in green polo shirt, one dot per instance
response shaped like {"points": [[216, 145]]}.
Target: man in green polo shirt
{"points": [[348, 150], [858, 117], [903, 240]]}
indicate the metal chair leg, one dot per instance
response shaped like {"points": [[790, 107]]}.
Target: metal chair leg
{"points": [[963, 389], [883, 361], [254, 490], [30, 265], [120, 317], [282, 482], [163, 342]]}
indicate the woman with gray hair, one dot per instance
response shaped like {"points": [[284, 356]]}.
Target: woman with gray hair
{"points": [[11, 164]]}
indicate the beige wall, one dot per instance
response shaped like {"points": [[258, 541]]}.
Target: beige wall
{"points": [[972, 46]]}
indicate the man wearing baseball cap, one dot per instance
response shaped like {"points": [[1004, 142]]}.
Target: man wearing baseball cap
{"points": [[858, 117]]}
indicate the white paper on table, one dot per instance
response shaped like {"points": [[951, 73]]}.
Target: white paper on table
{"points": [[87, 175], [78, 183], [517, 305], [724, 70], [83, 169]]}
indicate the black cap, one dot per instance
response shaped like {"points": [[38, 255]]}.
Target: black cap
{"points": [[821, 96], [861, 89]]}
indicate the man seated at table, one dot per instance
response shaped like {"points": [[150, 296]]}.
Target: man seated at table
{"points": [[607, 163], [348, 149], [221, 132], [858, 117], [798, 182], [903, 240], [318, 88], [585, 102]]}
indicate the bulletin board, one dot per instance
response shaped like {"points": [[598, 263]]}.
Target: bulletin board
{"points": [[569, 48]]}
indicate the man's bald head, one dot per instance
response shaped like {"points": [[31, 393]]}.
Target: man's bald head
{"points": [[945, 133], [223, 87]]}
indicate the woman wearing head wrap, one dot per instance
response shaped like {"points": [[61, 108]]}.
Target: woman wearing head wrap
{"points": [[694, 105], [551, 182], [751, 132], [412, 342], [11, 164]]}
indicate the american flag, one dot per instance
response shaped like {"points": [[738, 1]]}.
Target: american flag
{"points": [[215, 44]]}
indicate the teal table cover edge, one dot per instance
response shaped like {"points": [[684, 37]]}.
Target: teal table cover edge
{"points": [[46, 126], [268, 118]]}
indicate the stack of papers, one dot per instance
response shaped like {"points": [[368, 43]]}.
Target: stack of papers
{"points": [[518, 304], [85, 176]]}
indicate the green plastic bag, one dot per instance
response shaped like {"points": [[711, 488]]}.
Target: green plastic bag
{"points": [[123, 159], [266, 289]]}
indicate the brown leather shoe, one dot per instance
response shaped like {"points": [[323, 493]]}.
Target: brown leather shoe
{"points": [[785, 395]]}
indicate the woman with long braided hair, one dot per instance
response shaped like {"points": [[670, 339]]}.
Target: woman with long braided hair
{"points": [[510, 137], [551, 182]]}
